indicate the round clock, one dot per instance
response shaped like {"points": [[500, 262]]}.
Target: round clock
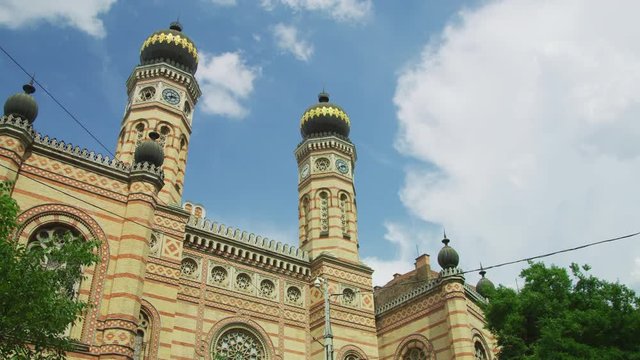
{"points": [[342, 166], [304, 172], [171, 96]]}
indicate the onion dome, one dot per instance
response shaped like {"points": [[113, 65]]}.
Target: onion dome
{"points": [[447, 257], [149, 151], [324, 117], [484, 286], [171, 46], [23, 104]]}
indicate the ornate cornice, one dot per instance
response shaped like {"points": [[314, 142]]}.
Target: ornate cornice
{"points": [[211, 237], [173, 73], [326, 142], [17, 127]]}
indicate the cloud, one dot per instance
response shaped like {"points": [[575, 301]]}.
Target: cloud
{"points": [[80, 14], [286, 37], [340, 10], [226, 80], [225, 2], [403, 239], [524, 118]]}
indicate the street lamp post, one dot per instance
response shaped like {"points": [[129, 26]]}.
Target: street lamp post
{"points": [[322, 284]]}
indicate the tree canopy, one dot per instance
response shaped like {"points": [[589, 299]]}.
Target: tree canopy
{"points": [[565, 315], [36, 306]]}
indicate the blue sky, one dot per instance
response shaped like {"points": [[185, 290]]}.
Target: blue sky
{"points": [[496, 119]]}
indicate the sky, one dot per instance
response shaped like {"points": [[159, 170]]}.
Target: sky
{"points": [[511, 124]]}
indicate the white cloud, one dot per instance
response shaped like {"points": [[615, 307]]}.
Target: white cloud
{"points": [[287, 39], [340, 10], [403, 239], [524, 115], [225, 2], [80, 14], [226, 80]]}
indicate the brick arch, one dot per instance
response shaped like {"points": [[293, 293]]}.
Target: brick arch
{"points": [[476, 336], [242, 322], [88, 227], [411, 341], [351, 349], [155, 327]]}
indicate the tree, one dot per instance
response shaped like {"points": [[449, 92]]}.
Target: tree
{"points": [[561, 316], [35, 283]]}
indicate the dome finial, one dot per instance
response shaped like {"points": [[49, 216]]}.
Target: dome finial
{"points": [[29, 88], [323, 97], [484, 286], [447, 257], [445, 240], [482, 272], [175, 25]]}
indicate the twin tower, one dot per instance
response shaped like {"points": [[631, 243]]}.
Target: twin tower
{"points": [[161, 103]]}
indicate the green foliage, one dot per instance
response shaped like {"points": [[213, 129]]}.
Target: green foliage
{"points": [[563, 316], [34, 299]]}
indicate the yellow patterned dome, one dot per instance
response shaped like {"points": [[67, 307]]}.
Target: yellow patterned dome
{"points": [[171, 46], [324, 117]]}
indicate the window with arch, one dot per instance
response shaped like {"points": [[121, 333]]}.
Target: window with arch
{"points": [[353, 356], [139, 132], [164, 135], [324, 212], [239, 343], [344, 214], [306, 213], [480, 353], [187, 108], [415, 349], [143, 335]]}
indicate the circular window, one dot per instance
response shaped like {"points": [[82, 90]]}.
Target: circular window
{"points": [[218, 274], [480, 354], [293, 294], [147, 93], [267, 288], [349, 296], [415, 354], [188, 267], [239, 344], [243, 281], [322, 164]]}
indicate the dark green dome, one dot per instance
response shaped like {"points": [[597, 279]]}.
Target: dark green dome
{"points": [[324, 117], [447, 257], [149, 151], [484, 286], [22, 104], [171, 46]]}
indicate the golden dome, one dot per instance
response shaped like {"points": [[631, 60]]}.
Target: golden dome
{"points": [[324, 117], [172, 46]]}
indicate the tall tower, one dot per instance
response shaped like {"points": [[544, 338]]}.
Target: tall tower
{"points": [[326, 159], [162, 93]]}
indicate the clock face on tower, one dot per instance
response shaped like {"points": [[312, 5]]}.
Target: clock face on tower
{"points": [[171, 96], [342, 166], [304, 172]]}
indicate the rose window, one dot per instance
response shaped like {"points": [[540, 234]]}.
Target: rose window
{"points": [[218, 274], [188, 267], [322, 164], [239, 344], [349, 296], [147, 93], [267, 288], [243, 281], [415, 354], [293, 294], [352, 357], [47, 239]]}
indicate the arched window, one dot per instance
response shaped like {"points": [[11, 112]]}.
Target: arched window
{"points": [[239, 343], [306, 213], [324, 213], [143, 335], [164, 135], [344, 214], [139, 133], [480, 353]]}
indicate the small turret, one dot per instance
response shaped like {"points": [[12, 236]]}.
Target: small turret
{"points": [[447, 257], [150, 151], [23, 104]]}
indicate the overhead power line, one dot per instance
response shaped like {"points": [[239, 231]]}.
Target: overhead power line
{"points": [[56, 101]]}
